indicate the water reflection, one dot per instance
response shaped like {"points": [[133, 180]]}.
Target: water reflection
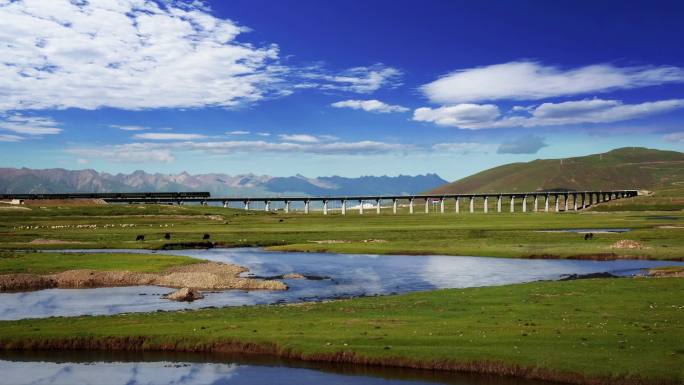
{"points": [[178, 368], [350, 275]]}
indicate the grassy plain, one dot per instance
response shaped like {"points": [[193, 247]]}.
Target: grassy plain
{"points": [[617, 330], [661, 233], [53, 262]]}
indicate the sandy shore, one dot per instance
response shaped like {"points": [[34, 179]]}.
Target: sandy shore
{"points": [[201, 276]]}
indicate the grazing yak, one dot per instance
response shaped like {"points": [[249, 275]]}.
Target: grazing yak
{"points": [[167, 236], [206, 236], [140, 238]]}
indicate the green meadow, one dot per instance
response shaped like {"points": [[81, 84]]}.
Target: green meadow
{"points": [[628, 330]]}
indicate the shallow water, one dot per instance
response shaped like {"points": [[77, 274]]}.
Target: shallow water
{"points": [[350, 275], [67, 368]]}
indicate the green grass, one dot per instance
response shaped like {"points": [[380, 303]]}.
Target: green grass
{"points": [[52, 262], [492, 234], [597, 328], [623, 168]]}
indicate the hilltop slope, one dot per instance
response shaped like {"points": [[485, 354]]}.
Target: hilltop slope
{"points": [[623, 168]]}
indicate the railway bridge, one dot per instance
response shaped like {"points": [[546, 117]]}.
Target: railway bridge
{"points": [[545, 201]]}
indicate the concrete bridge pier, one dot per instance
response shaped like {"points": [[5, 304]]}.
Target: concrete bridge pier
{"points": [[394, 206], [498, 204], [225, 204], [344, 207], [512, 203], [441, 205], [524, 204], [360, 207], [486, 204], [536, 203], [287, 207], [410, 205], [267, 206], [246, 205], [306, 207], [574, 202], [546, 203], [472, 204], [557, 202], [325, 207], [427, 205], [377, 206], [458, 205]]}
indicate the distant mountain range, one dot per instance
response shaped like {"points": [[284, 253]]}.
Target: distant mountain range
{"points": [[622, 168], [57, 180]]}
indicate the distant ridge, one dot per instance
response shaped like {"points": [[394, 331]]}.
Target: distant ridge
{"points": [[57, 180], [622, 168]]}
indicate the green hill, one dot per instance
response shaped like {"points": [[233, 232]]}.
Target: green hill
{"points": [[623, 168]]}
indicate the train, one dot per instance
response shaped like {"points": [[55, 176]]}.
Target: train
{"points": [[113, 195]]}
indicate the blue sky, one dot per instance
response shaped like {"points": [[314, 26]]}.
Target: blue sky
{"points": [[322, 88]]}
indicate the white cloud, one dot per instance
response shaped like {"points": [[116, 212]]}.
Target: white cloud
{"points": [[126, 153], [528, 144], [29, 125], [675, 137], [372, 105], [303, 138], [598, 111], [347, 148], [527, 80], [465, 115], [129, 128], [478, 116], [263, 134], [82, 161], [158, 152], [462, 147], [10, 138], [238, 132], [168, 136], [129, 54], [361, 80]]}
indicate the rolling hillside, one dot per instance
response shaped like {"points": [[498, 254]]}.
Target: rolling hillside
{"points": [[629, 167]]}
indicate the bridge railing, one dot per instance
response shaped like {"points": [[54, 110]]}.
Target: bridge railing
{"points": [[530, 201]]}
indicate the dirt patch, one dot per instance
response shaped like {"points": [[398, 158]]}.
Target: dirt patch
{"points": [[185, 294], [293, 276], [667, 272], [670, 227], [41, 241], [201, 276], [626, 244]]}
